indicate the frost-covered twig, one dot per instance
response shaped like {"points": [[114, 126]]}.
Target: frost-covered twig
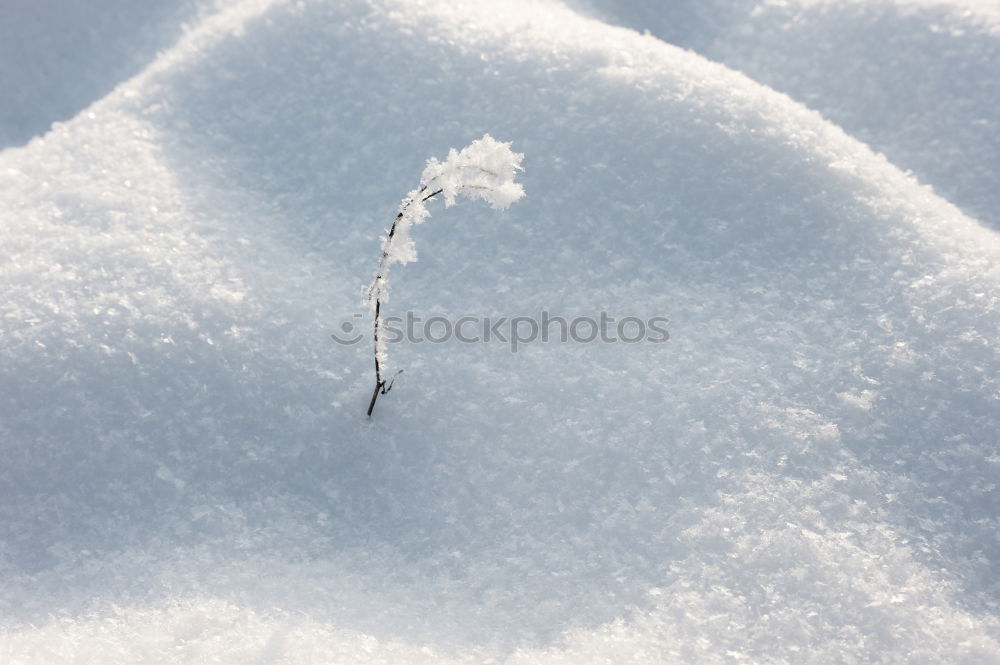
{"points": [[484, 169]]}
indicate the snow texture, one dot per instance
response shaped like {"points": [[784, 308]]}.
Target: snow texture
{"points": [[62, 55], [914, 79], [806, 473]]}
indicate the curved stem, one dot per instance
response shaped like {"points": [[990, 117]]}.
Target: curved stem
{"points": [[375, 292], [380, 273]]}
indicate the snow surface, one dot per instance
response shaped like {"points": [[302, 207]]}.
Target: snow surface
{"points": [[915, 79], [806, 473], [61, 55]]}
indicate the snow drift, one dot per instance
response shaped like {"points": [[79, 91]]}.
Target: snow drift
{"points": [[914, 79], [805, 473]]}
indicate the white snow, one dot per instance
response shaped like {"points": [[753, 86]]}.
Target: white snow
{"points": [[62, 55], [805, 473], [914, 79]]}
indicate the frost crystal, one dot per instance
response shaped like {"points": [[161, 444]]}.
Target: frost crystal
{"points": [[484, 169]]}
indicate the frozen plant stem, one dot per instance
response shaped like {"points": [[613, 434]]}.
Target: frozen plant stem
{"points": [[484, 169], [380, 384]]}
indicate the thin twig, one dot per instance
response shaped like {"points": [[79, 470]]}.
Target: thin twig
{"points": [[380, 384]]}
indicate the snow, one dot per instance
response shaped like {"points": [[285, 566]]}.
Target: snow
{"points": [[62, 55], [914, 79], [805, 473]]}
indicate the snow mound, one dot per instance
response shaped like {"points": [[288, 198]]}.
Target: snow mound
{"points": [[805, 472], [914, 79], [62, 55]]}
